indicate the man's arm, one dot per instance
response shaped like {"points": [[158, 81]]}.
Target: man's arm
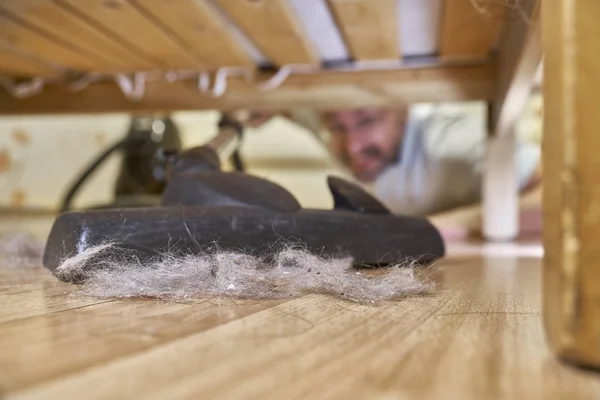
{"points": [[457, 137], [256, 119], [466, 221]]}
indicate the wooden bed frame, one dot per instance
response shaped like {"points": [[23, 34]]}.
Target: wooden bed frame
{"points": [[89, 56], [277, 54]]}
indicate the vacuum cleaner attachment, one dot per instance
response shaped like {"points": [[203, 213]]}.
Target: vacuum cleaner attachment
{"points": [[138, 183], [206, 209]]}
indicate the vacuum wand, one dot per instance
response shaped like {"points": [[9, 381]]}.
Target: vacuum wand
{"points": [[227, 141], [207, 157]]}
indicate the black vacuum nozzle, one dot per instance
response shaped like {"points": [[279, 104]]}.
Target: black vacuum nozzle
{"points": [[358, 227], [205, 208]]}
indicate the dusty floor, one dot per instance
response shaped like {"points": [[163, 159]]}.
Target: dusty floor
{"points": [[480, 336]]}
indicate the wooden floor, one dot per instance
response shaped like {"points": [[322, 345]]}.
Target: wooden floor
{"points": [[479, 337]]}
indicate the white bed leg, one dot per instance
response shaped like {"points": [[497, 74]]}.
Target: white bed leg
{"points": [[500, 189]]}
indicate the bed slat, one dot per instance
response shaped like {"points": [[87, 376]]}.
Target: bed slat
{"points": [[203, 33], [127, 23], [14, 34], [16, 64], [274, 28], [369, 28], [59, 21], [467, 31]]}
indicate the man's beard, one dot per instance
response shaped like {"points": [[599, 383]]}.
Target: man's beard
{"points": [[371, 153]]}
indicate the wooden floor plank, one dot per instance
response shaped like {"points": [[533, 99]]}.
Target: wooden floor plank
{"points": [[106, 331], [25, 298], [483, 322], [17, 279], [480, 335], [275, 336]]}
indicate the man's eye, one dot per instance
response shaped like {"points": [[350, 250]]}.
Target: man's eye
{"points": [[337, 129], [363, 123]]}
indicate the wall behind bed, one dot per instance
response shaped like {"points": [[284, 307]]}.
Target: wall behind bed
{"points": [[41, 155]]}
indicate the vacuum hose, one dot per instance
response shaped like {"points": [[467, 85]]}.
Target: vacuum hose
{"points": [[68, 199], [225, 145]]}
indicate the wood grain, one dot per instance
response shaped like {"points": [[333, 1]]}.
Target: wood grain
{"points": [[484, 322], [369, 28], [100, 330], [203, 33], [62, 23], [17, 64], [274, 29], [572, 187], [15, 34], [520, 55], [29, 294], [470, 32], [321, 90], [134, 29]]}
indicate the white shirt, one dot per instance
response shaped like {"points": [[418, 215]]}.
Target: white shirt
{"points": [[441, 159]]}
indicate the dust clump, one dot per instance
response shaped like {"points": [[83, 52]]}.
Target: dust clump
{"points": [[20, 250], [288, 271]]}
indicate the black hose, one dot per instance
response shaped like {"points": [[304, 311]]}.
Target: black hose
{"points": [[237, 161], [66, 203], [227, 121], [76, 186]]}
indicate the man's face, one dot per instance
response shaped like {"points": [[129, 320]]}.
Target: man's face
{"points": [[367, 140]]}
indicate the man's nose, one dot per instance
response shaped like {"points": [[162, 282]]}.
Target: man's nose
{"points": [[354, 143]]}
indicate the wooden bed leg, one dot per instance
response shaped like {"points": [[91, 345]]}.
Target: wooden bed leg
{"points": [[500, 192], [571, 274], [520, 53]]}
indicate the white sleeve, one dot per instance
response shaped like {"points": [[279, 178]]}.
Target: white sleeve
{"points": [[457, 138], [462, 137]]}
